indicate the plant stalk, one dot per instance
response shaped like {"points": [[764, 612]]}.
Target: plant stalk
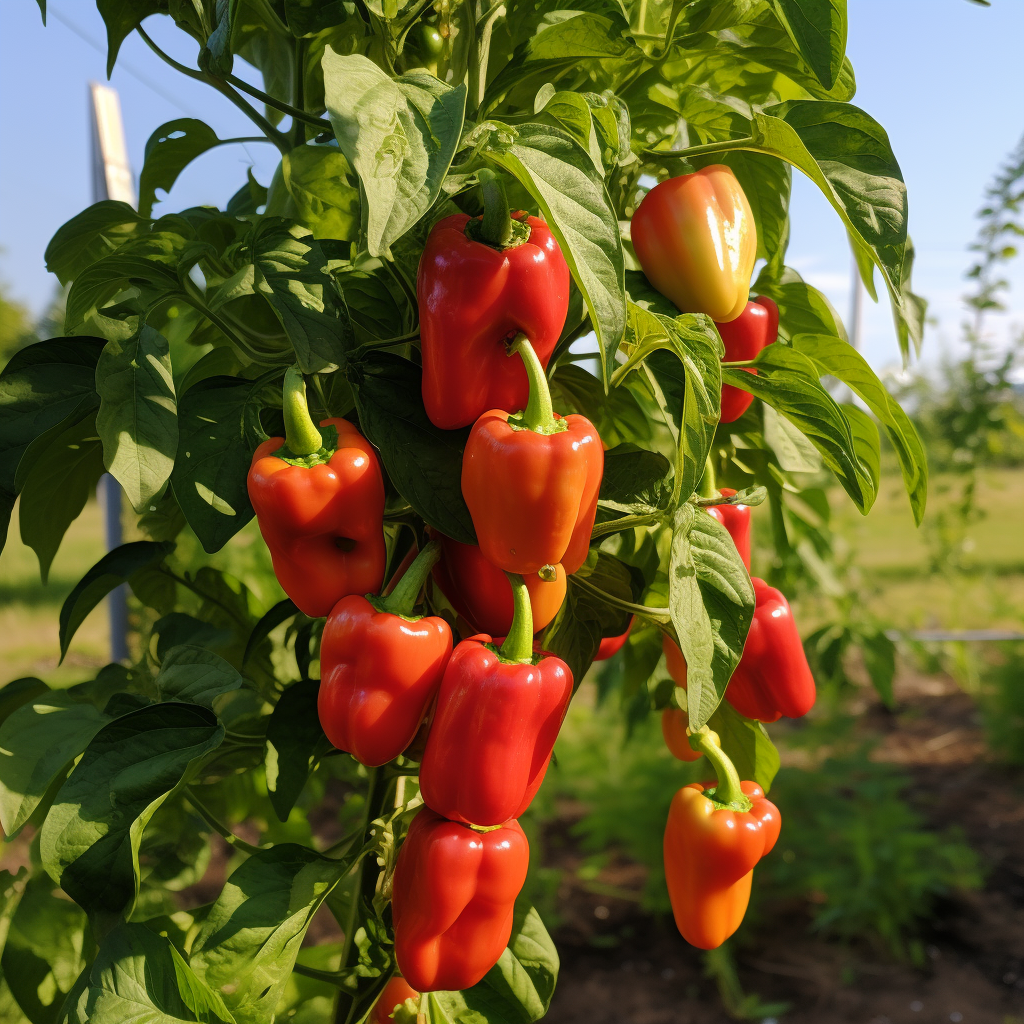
{"points": [[518, 645], [539, 415], [300, 433], [728, 790], [402, 600]]}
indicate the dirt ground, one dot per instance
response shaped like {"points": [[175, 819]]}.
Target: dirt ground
{"points": [[622, 967]]}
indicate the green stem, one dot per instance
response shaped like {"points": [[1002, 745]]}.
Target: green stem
{"points": [[748, 142], [738, 363], [402, 599], [300, 433], [728, 790], [652, 614], [706, 488], [285, 108], [496, 228], [218, 827], [625, 523], [538, 415], [330, 977], [518, 645]]}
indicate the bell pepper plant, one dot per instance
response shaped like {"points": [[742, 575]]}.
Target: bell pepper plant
{"points": [[354, 364]]}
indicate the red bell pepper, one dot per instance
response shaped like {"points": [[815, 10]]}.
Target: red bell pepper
{"points": [[498, 714], [675, 731], [611, 645], [773, 678], [452, 900], [736, 519], [695, 238], [380, 667], [480, 593], [475, 294], [320, 509], [715, 835], [754, 329], [395, 994], [531, 481]]}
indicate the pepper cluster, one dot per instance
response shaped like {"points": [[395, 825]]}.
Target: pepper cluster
{"points": [[482, 715]]}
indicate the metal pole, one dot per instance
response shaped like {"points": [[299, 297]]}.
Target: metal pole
{"points": [[111, 179]]}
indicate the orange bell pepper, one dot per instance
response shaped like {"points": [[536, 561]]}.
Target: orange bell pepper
{"points": [[695, 239]]}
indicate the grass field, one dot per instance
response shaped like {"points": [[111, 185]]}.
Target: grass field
{"points": [[891, 555]]}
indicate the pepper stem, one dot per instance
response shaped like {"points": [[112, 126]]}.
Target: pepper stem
{"points": [[728, 790], [300, 433], [402, 600], [706, 488], [496, 229], [518, 645], [539, 415]]}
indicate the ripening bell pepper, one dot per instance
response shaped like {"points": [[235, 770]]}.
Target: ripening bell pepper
{"points": [[531, 481], [497, 716], [611, 645], [754, 329], [452, 900], [715, 836], [736, 519], [480, 593], [773, 678], [695, 239], [674, 729], [475, 296], [320, 509], [380, 667], [396, 992]]}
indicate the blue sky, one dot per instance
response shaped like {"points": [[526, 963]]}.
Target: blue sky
{"points": [[945, 78]]}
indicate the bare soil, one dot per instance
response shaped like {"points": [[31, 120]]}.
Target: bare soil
{"points": [[620, 966]]}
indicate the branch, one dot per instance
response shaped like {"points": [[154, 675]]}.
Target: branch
{"points": [[285, 108]]}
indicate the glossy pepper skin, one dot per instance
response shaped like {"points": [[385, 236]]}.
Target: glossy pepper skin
{"points": [[710, 854], [480, 593], [736, 519], [492, 734], [323, 524], [673, 730], [379, 672], [473, 299], [532, 496], [773, 678], [452, 900], [395, 993], [754, 329], [695, 238]]}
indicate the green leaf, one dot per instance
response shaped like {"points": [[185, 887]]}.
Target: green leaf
{"points": [[122, 17], [618, 416], [317, 178], [802, 308], [169, 150], [793, 452], [139, 977], [399, 134], [558, 172], [747, 744], [866, 445], [195, 675], [711, 601], [281, 612], [45, 948], [90, 235], [518, 989], [18, 692], [218, 423], [90, 840], [61, 470], [788, 381], [179, 628], [138, 417], [295, 744], [841, 360], [38, 742], [818, 28], [156, 279], [634, 478], [40, 387], [248, 943], [113, 569], [423, 462]]}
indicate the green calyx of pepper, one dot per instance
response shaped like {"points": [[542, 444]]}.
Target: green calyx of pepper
{"points": [[498, 228], [728, 793], [539, 415], [518, 645], [402, 600], [304, 445]]}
